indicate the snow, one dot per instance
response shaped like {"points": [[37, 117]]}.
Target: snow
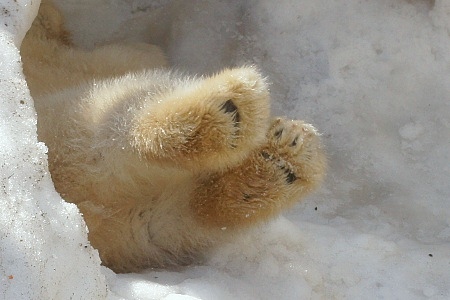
{"points": [[44, 253], [373, 76]]}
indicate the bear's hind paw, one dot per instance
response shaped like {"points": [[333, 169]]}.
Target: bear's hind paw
{"points": [[211, 124]]}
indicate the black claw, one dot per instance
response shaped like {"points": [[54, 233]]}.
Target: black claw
{"points": [[265, 155], [294, 142], [290, 177], [278, 133], [230, 107], [237, 117]]}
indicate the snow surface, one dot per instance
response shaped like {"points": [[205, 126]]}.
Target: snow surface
{"points": [[373, 76], [44, 253]]}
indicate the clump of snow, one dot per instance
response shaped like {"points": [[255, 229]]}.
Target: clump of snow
{"points": [[373, 76], [44, 252]]}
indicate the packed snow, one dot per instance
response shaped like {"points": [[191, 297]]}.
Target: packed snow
{"points": [[44, 253], [373, 76]]}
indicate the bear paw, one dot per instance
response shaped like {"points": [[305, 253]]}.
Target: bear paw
{"points": [[294, 149], [272, 178], [206, 124]]}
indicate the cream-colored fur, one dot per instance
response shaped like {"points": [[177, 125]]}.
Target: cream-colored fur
{"points": [[162, 166]]}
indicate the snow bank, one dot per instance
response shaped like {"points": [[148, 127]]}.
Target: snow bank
{"points": [[44, 253], [372, 75]]}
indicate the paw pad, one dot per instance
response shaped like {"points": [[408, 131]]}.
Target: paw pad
{"points": [[230, 108]]}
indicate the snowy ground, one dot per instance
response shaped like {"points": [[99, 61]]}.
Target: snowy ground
{"points": [[374, 76]]}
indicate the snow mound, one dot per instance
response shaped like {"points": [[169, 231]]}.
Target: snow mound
{"points": [[44, 252]]}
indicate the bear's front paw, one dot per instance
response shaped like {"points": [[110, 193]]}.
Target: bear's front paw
{"points": [[272, 178], [294, 149]]}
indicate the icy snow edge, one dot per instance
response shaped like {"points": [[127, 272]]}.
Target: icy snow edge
{"points": [[44, 251]]}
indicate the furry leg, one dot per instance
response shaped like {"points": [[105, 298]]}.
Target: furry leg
{"points": [[51, 62]]}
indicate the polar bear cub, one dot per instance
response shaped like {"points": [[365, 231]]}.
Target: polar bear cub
{"points": [[163, 166]]}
